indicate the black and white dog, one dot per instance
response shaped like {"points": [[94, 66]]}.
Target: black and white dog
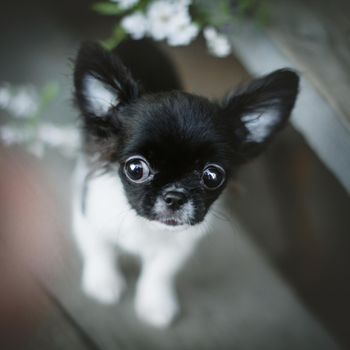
{"points": [[153, 165]]}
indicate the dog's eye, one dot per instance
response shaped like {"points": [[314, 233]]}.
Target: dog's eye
{"points": [[213, 176], [137, 170]]}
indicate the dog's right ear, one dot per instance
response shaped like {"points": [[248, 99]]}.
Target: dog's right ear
{"points": [[102, 83]]}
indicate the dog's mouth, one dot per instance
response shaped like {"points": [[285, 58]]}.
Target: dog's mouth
{"points": [[172, 218], [171, 222]]}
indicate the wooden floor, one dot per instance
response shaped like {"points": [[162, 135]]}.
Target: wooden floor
{"points": [[231, 296]]}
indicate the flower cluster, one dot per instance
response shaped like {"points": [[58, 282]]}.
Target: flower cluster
{"points": [[22, 102], [178, 22], [47, 135], [163, 20], [24, 127], [217, 43]]}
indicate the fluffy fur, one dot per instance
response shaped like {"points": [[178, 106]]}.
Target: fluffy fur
{"points": [[182, 143]]}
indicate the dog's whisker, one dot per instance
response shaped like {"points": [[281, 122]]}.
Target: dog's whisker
{"points": [[220, 215], [127, 212]]}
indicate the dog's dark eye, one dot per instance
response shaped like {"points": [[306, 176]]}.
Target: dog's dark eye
{"points": [[137, 170], [213, 176]]}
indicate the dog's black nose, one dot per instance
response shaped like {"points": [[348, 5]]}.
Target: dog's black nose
{"points": [[174, 199]]}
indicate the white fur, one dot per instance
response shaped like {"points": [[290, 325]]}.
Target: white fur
{"points": [[109, 222], [185, 213], [259, 125], [100, 97]]}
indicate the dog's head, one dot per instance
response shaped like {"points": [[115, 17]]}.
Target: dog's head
{"points": [[175, 151]]}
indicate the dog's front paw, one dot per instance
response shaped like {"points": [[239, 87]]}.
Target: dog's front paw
{"points": [[156, 307], [106, 287]]}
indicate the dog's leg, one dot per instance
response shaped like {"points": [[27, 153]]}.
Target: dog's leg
{"points": [[101, 278], [156, 301]]}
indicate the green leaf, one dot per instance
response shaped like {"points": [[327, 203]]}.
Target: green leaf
{"points": [[107, 9], [50, 92], [263, 16], [118, 36], [213, 13]]}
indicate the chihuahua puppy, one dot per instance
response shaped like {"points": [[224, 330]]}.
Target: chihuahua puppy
{"points": [[152, 167]]}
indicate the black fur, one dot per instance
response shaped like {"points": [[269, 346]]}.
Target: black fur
{"points": [[178, 133], [277, 90]]}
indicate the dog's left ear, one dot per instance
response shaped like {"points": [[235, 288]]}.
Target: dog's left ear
{"points": [[102, 83], [259, 109]]}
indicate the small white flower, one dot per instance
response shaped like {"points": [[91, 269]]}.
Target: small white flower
{"points": [[22, 103], [14, 136], [135, 25], [218, 44], [5, 96], [184, 35], [8, 136], [64, 138], [25, 103], [126, 4], [159, 16], [171, 20]]}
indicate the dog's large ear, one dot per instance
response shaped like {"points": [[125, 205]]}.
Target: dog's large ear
{"points": [[257, 110], [102, 85]]}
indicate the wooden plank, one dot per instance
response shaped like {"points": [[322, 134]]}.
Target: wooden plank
{"points": [[313, 116], [315, 35], [301, 220], [59, 331]]}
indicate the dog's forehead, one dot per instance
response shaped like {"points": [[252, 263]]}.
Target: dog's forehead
{"points": [[173, 151], [173, 142]]}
